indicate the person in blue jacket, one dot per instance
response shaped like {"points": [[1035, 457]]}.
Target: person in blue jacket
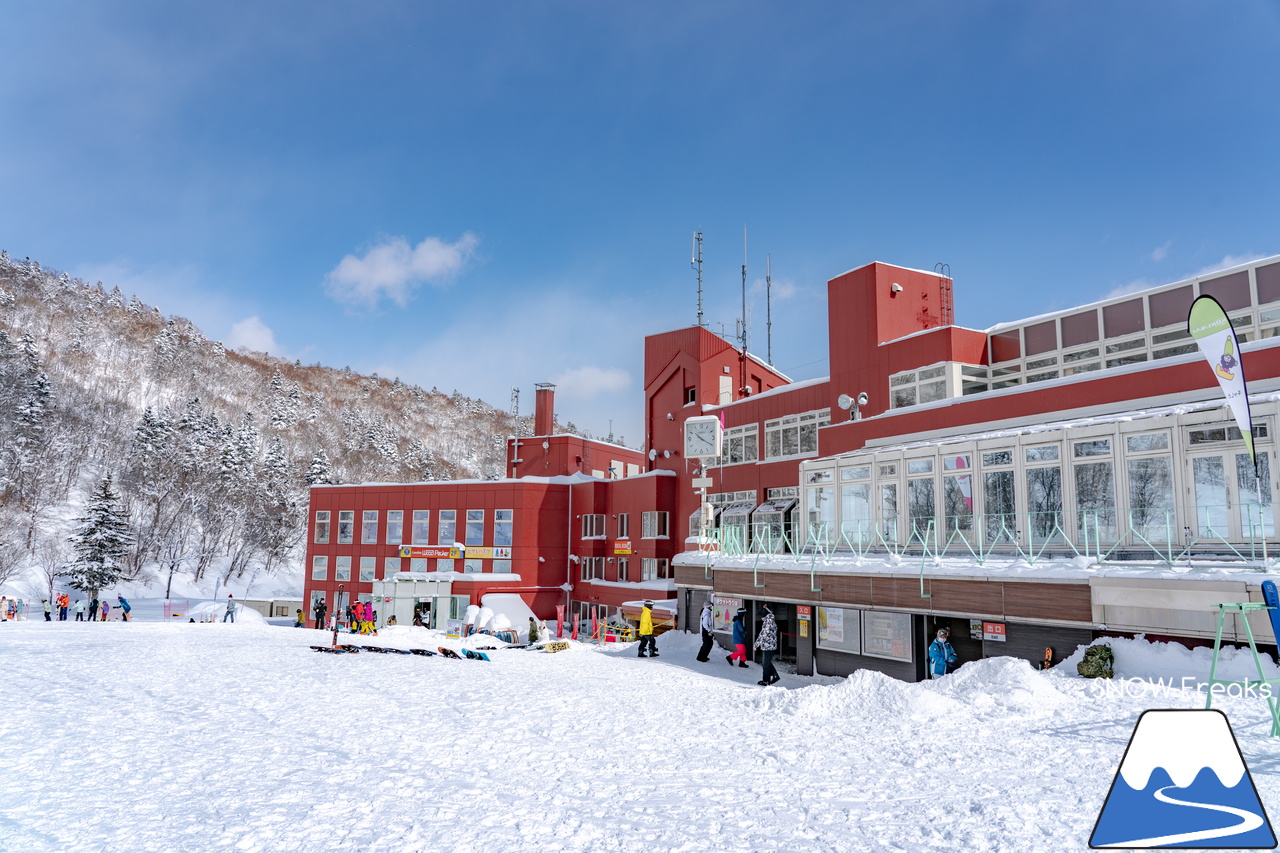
{"points": [[739, 639], [941, 655], [124, 608]]}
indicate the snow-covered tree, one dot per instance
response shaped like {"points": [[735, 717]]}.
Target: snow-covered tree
{"points": [[100, 543]]}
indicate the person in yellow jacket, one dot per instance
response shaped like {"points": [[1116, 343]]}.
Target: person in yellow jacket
{"points": [[646, 631]]}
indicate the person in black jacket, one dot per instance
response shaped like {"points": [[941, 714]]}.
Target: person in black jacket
{"points": [[320, 610], [707, 624]]}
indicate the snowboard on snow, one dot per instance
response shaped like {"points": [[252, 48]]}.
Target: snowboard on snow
{"points": [[1272, 599], [471, 654], [336, 650], [426, 653], [449, 653]]}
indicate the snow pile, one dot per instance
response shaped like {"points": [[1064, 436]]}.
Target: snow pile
{"points": [[1140, 658], [1003, 684]]}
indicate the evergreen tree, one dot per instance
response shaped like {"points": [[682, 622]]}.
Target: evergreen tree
{"points": [[100, 542], [320, 471]]}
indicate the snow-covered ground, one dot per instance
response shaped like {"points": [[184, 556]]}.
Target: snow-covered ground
{"points": [[156, 737]]}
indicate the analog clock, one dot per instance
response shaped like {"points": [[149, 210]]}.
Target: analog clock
{"points": [[702, 437]]}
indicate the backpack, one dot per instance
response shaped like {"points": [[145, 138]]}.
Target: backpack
{"points": [[1098, 663]]}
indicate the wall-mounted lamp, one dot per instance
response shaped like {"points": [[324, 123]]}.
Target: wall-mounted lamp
{"points": [[895, 288], [670, 417]]}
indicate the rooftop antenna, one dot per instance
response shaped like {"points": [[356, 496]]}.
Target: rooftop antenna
{"points": [[743, 336], [768, 310], [696, 262], [515, 421]]}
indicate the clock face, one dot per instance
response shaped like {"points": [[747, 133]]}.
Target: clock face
{"points": [[700, 439]]}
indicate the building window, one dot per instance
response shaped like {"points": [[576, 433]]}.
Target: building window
{"points": [[502, 521], [741, 444], [653, 525], [840, 629], [395, 526], [592, 568], [368, 569], [593, 526], [794, 435], [502, 567], [421, 531], [322, 526], [369, 527], [344, 569], [651, 568], [447, 529], [390, 566], [472, 566], [624, 525], [346, 527], [1044, 493], [623, 565], [442, 565], [319, 568], [475, 527]]}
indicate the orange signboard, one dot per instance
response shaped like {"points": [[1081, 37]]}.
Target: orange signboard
{"points": [[622, 546]]}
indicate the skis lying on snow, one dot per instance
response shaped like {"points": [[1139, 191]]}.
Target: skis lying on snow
{"points": [[336, 650]]}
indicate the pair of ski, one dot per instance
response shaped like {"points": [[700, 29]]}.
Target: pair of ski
{"points": [[445, 651], [338, 650]]}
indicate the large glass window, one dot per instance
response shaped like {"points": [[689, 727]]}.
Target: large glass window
{"points": [[857, 523], [593, 526], [395, 526], [502, 521], [821, 503], [1095, 502], [319, 568], [368, 569], [346, 526], [920, 508], [421, 531], [624, 525], [957, 493], [344, 569], [889, 511], [447, 527], [794, 434], [1044, 494], [369, 527], [475, 527], [1151, 498], [390, 566]]}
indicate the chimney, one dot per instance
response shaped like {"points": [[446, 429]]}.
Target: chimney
{"points": [[544, 408]]}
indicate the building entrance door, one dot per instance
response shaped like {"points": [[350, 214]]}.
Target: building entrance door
{"points": [[1225, 491]]}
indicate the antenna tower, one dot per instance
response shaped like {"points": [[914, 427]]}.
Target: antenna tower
{"points": [[743, 337], [696, 262], [768, 310]]}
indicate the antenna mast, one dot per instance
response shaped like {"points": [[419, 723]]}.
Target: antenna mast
{"points": [[768, 310], [743, 337], [696, 262]]}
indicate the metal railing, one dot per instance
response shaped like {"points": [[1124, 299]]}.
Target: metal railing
{"points": [[1238, 533]]}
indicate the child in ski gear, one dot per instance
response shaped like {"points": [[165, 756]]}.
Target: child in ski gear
{"points": [[646, 631], [941, 655], [231, 610], [105, 608], [79, 608], [739, 639], [48, 610], [767, 643], [299, 621], [706, 624]]}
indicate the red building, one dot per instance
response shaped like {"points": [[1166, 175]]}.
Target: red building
{"points": [[1095, 433]]}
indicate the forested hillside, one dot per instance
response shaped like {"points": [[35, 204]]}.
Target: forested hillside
{"points": [[208, 452]]}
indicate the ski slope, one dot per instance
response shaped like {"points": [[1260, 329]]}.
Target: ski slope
{"points": [[156, 737]]}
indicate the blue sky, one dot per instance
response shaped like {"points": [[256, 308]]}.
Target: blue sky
{"points": [[486, 195]]}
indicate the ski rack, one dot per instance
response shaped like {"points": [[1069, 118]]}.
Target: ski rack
{"points": [[1273, 701]]}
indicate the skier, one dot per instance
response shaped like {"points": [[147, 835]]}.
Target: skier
{"points": [[941, 655], [300, 621], [105, 609], [231, 610], [79, 609], [767, 643], [646, 631], [48, 610], [124, 608], [706, 623], [320, 609], [64, 601], [739, 639]]}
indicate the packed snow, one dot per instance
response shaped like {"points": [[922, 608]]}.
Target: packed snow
{"points": [[147, 736]]}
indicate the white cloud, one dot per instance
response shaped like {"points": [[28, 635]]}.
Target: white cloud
{"points": [[253, 334], [589, 382], [1162, 252], [393, 269], [1230, 261]]}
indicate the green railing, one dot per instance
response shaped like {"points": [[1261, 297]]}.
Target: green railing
{"points": [[1243, 533]]}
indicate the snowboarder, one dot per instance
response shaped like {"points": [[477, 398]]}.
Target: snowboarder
{"points": [[941, 655], [739, 639], [706, 623], [320, 609], [646, 631], [124, 608], [231, 610], [767, 643]]}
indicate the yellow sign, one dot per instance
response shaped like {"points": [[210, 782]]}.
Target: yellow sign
{"points": [[804, 627], [622, 546], [479, 553], [438, 552], [557, 646]]}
